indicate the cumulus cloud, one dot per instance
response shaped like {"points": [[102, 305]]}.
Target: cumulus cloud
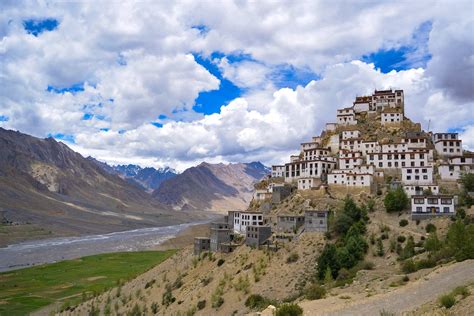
{"points": [[134, 63]]}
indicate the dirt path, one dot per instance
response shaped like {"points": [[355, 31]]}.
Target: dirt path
{"points": [[401, 300]]}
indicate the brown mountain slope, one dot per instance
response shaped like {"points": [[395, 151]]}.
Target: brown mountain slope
{"points": [[216, 187], [44, 182]]}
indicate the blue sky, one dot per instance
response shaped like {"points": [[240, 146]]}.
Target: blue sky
{"points": [[140, 81]]}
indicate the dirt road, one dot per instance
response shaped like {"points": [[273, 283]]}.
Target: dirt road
{"points": [[400, 300]]}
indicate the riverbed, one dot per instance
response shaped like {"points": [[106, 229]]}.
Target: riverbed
{"points": [[31, 253]]}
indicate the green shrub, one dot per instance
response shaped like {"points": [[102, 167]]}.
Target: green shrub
{"points": [[430, 228], [256, 301], [401, 239], [293, 257], [461, 290], [408, 266], [447, 300], [367, 265], [396, 200], [220, 262], [289, 310], [201, 304], [154, 307], [315, 292], [403, 223], [217, 302], [380, 251]]}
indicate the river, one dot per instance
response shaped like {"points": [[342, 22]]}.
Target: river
{"points": [[31, 253]]}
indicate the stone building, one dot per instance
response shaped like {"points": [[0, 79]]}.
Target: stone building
{"points": [[257, 235], [315, 221], [201, 244]]}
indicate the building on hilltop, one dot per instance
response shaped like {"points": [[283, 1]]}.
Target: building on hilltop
{"points": [[447, 144]]}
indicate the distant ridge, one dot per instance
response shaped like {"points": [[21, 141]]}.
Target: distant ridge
{"points": [[216, 187]]}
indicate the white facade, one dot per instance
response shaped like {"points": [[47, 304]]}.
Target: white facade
{"points": [[394, 148], [308, 169], [311, 154], [351, 144], [411, 190], [295, 158], [415, 141], [360, 107], [330, 127], [244, 219], [261, 195], [432, 205], [308, 183], [383, 99], [449, 147], [350, 134], [453, 172], [278, 171], [350, 163], [368, 147], [417, 175], [339, 177], [347, 119], [309, 145], [391, 118], [398, 160], [447, 144]]}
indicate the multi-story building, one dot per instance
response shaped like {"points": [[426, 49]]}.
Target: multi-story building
{"points": [[317, 168], [382, 99], [432, 205], [391, 116], [411, 190], [201, 244], [289, 223], [346, 116], [220, 234], [244, 219], [385, 160], [278, 171], [415, 140], [417, 175], [447, 144], [350, 134], [315, 221], [257, 235]]}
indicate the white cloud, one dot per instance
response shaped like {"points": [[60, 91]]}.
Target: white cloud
{"points": [[160, 76]]}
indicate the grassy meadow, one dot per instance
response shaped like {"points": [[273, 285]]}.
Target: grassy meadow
{"points": [[25, 290]]}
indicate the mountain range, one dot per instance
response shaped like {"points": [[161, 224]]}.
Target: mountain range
{"points": [[44, 182], [147, 178]]}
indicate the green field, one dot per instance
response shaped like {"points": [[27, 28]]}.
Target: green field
{"points": [[26, 290]]}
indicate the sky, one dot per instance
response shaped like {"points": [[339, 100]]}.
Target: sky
{"points": [[160, 83]]}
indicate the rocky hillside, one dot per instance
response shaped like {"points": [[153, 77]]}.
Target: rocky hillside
{"points": [[147, 178], [44, 182], [217, 187]]}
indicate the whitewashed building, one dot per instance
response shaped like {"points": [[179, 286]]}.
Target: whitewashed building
{"points": [[350, 134], [317, 168], [415, 140], [278, 171], [330, 127], [423, 206], [315, 153], [362, 104], [350, 179], [391, 117], [382, 99], [411, 190], [308, 183], [386, 160], [447, 144], [262, 194], [394, 148], [309, 145], [367, 147], [453, 172], [417, 175], [243, 219], [351, 144]]}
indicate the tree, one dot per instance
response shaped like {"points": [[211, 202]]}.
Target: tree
{"points": [[460, 239], [345, 258], [328, 259], [396, 200], [342, 223], [357, 246], [409, 250], [467, 181], [432, 243]]}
